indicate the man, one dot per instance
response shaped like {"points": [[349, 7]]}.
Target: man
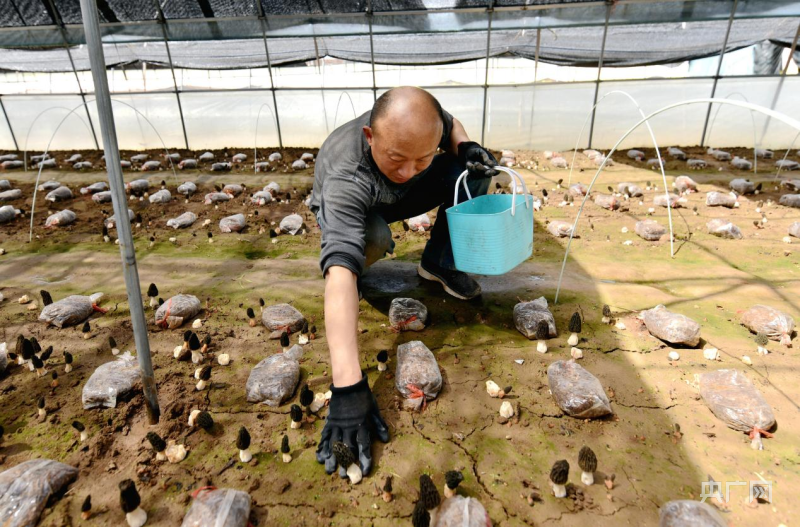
{"points": [[380, 168]]}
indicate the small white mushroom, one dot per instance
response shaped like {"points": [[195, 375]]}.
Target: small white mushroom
{"points": [[192, 416], [494, 390], [673, 355], [506, 410], [711, 353], [345, 458], [317, 403], [175, 453]]}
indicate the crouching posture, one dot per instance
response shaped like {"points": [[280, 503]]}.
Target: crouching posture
{"points": [[400, 160]]}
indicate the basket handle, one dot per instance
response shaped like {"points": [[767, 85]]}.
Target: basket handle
{"points": [[514, 177]]}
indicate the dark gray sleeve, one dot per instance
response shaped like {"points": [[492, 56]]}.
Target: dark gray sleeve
{"points": [[343, 215], [447, 129]]}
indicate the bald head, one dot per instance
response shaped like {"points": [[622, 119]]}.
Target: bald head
{"points": [[404, 132], [406, 105]]}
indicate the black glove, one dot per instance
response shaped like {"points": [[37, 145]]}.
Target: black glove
{"points": [[353, 417], [476, 159]]}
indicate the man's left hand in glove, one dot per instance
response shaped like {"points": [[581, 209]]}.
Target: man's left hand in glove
{"points": [[478, 161]]}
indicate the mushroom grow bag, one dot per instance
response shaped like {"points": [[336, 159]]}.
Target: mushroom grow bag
{"points": [[787, 200], [233, 223], [733, 398], [742, 186], [689, 513], [670, 327], [282, 318], [102, 197], [527, 316], [607, 202], [417, 376], [94, 188], [719, 199], [111, 221], [724, 229], [10, 195], [177, 310], [274, 379], [233, 189], [649, 230], [576, 391], [162, 196], [291, 224], [407, 314], [26, 489], [47, 186], [634, 191], [218, 508], [261, 198], [560, 229], [661, 200], [764, 319], [578, 190], [3, 357], [111, 381], [684, 183], [7, 213], [420, 223], [216, 197], [137, 186], [60, 219], [187, 189], [460, 511], [71, 311], [184, 220], [59, 194]]}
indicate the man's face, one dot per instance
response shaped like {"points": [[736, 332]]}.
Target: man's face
{"points": [[401, 152]]}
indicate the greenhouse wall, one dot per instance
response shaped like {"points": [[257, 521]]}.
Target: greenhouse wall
{"points": [[483, 65]]}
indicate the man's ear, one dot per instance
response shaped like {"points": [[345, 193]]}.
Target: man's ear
{"points": [[368, 134]]}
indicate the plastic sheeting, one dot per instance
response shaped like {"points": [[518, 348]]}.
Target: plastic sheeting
{"points": [[417, 375], [431, 39], [26, 489], [177, 310], [274, 379], [109, 381], [576, 391], [218, 507]]}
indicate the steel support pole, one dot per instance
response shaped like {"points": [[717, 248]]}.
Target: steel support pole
{"points": [[486, 75], [599, 70], [163, 23], [719, 70], [533, 91], [779, 88], [263, 19], [372, 51], [91, 25], [8, 122]]}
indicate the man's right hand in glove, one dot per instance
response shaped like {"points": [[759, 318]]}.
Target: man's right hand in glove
{"points": [[354, 419]]}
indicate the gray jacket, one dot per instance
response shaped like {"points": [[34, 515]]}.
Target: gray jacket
{"points": [[347, 185]]}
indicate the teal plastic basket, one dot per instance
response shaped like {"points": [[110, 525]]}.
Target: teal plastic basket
{"points": [[491, 234]]}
